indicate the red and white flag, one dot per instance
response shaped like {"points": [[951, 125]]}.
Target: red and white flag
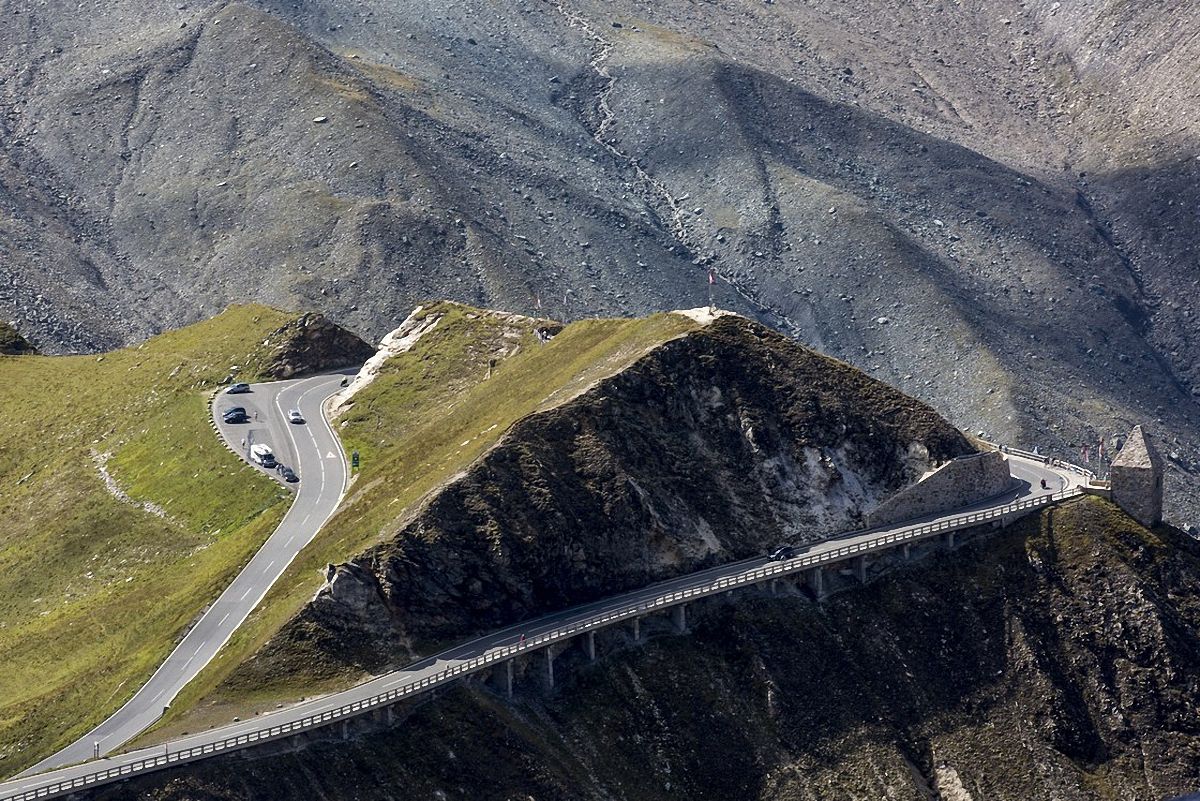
{"points": [[712, 277]]}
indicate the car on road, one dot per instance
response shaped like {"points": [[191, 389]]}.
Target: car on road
{"points": [[236, 414], [238, 389], [782, 552], [262, 454], [294, 416], [286, 473]]}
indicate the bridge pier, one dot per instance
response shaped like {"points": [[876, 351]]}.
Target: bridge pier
{"points": [[860, 569], [948, 540], [504, 677], [549, 667], [816, 582], [637, 629], [906, 551], [589, 645], [679, 618]]}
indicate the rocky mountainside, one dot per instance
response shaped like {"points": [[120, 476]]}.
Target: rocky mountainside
{"points": [[990, 205], [714, 446], [1058, 659]]}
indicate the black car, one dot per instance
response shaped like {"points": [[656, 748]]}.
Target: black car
{"points": [[286, 473], [237, 414], [782, 552]]}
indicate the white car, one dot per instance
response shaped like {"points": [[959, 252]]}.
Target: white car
{"points": [[294, 416]]}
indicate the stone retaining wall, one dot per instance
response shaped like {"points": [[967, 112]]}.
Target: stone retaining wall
{"points": [[962, 482]]}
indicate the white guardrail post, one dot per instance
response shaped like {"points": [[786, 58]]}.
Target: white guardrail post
{"points": [[597, 621]]}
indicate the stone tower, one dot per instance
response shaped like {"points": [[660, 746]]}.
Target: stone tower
{"points": [[1137, 479]]}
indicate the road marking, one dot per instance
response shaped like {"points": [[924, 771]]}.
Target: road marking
{"points": [[330, 455], [224, 618], [244, 594]]}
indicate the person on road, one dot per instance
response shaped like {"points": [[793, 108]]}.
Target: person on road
{"points": [[1044, 483]]}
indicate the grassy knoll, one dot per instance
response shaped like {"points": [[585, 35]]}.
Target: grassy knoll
{"points": [[430, 413], [94, 589]]}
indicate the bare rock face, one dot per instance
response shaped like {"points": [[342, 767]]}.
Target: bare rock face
{"points": [[12, 343], [312, 343]]}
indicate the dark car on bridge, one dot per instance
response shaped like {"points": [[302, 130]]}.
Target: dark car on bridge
{"points": [[782, 552]]}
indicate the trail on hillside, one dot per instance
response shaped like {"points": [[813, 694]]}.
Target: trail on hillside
{"points": [[659, 195]]}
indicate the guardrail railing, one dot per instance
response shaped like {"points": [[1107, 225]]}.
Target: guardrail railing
{"points": [[1040, 457], [572, 629]]}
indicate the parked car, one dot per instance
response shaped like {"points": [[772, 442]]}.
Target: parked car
{"points": [[781, 553], [286, 473], [294, 416], [238, 389], [235, 414], [262, 454]]}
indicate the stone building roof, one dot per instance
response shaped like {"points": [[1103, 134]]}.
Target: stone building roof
{"points": [[1138, 452]]}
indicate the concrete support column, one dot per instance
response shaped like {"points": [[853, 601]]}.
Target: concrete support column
{"points": [[345, 730], [589, 645], [679, 618], [389, 715], [637, 629], [507, 679], [816, 582], [860, 569], [906, 551], [948, 539], [774, 586], [549, 668]]}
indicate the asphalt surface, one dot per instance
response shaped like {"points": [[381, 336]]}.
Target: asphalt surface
{"points": [[1029, 473], [313, 447]]}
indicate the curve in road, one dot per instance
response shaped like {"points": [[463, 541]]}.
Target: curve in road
{"points": [[315, 449], [1062, 482]]}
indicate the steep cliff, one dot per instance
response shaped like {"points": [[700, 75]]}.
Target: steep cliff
{"points": [[1059, 659]]}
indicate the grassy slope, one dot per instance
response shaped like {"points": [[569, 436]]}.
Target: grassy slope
{"points": [[426, 418], [76, 562]]}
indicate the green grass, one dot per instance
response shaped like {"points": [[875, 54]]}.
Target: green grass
{"points": [[94, 591], [428, 416]]}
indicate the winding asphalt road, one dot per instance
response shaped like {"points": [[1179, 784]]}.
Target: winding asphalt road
{"points": [[322, 484], [1029, 472]]}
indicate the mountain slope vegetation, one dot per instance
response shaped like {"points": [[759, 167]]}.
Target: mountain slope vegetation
{"points": [[122, 515]]}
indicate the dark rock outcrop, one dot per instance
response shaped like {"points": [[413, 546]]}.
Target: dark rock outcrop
{"points": [[12, 343], [312, 343]]}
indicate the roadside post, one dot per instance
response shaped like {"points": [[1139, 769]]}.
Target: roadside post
{"points": [[354, 460]]}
